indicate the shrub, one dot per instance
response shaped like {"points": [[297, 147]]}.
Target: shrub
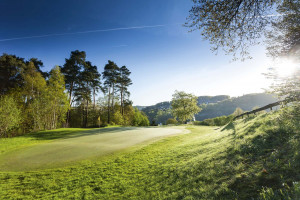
{"points": [[218, 121], [140, 119], [171, 121], [10, 115]]}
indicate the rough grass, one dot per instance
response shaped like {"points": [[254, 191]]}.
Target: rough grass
{"points": [[250, 158]]}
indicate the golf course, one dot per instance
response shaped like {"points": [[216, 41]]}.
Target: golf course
{"points": [[83, 145], [236, 161]]}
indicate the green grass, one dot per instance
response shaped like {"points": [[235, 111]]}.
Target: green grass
{"points": [[10, 144], [66, 146], [247, 159]]}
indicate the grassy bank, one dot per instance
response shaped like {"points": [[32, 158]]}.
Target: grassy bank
{"points": [[250, 158]]}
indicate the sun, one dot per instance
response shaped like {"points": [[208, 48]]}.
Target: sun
{"points": [[286, 67]]}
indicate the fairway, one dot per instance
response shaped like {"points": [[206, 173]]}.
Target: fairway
{"points": [[80, 146]]}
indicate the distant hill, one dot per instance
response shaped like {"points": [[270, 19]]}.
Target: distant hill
{"points": [[140, 107], [212, 99], [227, 107], [212, 106]]}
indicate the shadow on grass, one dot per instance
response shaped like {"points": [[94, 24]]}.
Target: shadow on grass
{"points": [[265, 160], [65, 133], [229, 126]]}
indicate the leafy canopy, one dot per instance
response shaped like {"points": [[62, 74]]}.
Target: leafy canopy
{"points": [[233, 25], [184, 106]]}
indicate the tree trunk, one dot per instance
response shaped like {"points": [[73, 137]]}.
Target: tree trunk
{"points": [[113, 98], [108, 107], [86, 113], [94, 93], [122, 106], [70, 105]]}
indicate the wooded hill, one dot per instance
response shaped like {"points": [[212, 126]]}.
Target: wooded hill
{"points": [[212, 106]]}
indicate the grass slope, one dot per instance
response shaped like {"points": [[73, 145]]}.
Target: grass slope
{"points": [[247, 159]]}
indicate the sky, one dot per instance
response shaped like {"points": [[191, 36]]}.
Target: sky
{"points": [[146, 36]]}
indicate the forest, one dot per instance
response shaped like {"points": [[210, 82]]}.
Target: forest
{"points": [[67, 96], [212, 106]]}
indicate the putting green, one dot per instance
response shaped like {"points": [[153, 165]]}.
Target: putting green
{"points": [[81, 146]]}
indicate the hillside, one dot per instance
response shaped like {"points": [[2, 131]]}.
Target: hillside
{"points": [[227, 107], [212, 106], [252, 158]]}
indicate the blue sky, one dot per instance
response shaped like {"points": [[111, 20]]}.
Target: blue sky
{"points": [[162, 59]]}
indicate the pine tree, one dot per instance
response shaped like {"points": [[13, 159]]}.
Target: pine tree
{"points": [[111, 76], [123, 83], [71, 70]]}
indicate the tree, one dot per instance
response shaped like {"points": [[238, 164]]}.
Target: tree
{"points": [[236, 25], [284, 38], [58, 100], [95, 82], [123, 83], [162, 116], [11, 67], [171, 121], [33, 93], [10, 115], [111, 76], [38, 65], [140, 119], [89, 83], [71, 70], [184, 106], [238, 111], [233, 25], [284, 42]]}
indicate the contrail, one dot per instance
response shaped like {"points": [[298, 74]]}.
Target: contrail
{"points": [[82, 32]]}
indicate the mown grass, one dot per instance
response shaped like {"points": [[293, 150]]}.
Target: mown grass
{"points": [[78, 146], [10, 144], [247, 159]]}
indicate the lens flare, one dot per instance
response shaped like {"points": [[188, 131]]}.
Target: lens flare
{"points": [[286, 67]]}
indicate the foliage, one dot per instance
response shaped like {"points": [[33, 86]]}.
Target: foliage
{"points": [[116, 82], [41, 97], [45, 103], [10, 73], [140, 119], [123, 83], [10, 115], [42, 103], [82, 80], [57, 105], [287, 89], [89, 83], [217, 121], [154, 111], [212, 99], [284, 39], [238, 111], [118, 118], [227, 107], [231, 25], [184, 106], [171, 121], [111, 77], [212, 107], [162, 116], [34, 93]]}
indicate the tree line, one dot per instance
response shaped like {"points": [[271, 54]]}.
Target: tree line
{"points": [[67, 96]]}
